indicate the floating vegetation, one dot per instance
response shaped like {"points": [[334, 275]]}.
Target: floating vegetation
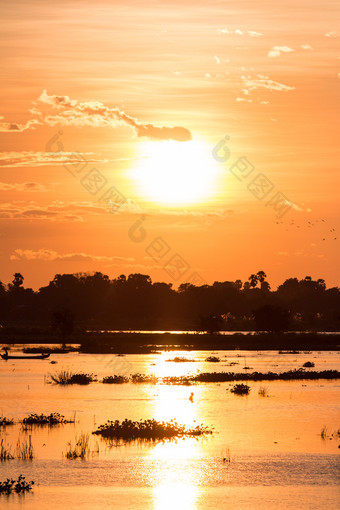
{"points": [[291, 375], [115, 379], [80, 450], [4, 422], [45, 419], [289, 352], [240, 389], [213, 359], [151, 430], [5, 451], [142, 378], [65, 377], [24, 449], [309, 364], [181, 359], [19, 486], [263, 391]]}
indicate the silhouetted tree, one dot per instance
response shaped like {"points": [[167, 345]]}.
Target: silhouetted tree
{"points": [[271, 318]]}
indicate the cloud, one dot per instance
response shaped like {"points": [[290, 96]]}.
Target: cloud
{"points": [[52, 256], [96, 114], [30, 158], [307, 47], [237, 31], [277, 50], [243, 100], [217, 59], [332, 34], [20, 210], [262, 81], [13, 127], [24, 186]]}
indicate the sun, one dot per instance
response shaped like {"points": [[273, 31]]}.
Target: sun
{"points": [[176, 173]]}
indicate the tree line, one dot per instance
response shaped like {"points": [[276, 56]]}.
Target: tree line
{"points": [[94, 301]]}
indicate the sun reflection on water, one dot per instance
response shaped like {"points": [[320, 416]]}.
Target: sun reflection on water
{"points": [[169, 495]]}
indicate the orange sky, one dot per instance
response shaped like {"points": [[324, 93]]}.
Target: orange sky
{"points": [[101, 78]]}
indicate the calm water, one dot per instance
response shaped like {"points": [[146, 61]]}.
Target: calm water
{"points": [[278, 458]]}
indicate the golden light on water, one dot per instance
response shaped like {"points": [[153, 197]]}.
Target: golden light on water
{"points": [[175, 495], [176, 173]]}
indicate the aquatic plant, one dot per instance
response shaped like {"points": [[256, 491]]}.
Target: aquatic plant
{"points": [[263, 391], [142, 378], [180, 359], [65, 377], [24, 449], [115, 379], [45, 419], [81, 449], [19, 486], [212, 359], [5, 451], [6, 421], [309, 364], [153, 430], [240, 389]]}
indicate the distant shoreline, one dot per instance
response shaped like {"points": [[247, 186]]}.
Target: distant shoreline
{"points": [[126, 342]]}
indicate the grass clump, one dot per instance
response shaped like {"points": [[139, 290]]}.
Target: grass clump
{"points": [[45, 419], [5, 451], [6, 421], [65, 377], [240, 389], [263, 391], [142, 378], [80, 450], [115, 379], [19, 486], [24, 449], [181, 359], [309, 364], [213, 359], [151, 430]]}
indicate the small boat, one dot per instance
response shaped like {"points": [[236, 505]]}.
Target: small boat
{"points": [[7, 356]]}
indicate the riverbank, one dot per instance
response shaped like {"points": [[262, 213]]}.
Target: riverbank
{"points": [[138, 343]]}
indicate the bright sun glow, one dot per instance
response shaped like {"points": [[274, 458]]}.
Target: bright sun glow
{"points": [[176, 173]]}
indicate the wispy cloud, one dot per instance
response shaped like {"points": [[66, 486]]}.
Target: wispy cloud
{"points": [[238, 31], [30, 158], [52, 256], [276, 51], [243, 100], [333, 33], [264, 82], [23, 186]]}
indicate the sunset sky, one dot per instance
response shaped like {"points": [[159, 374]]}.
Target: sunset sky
{"points": [[111, 114]]}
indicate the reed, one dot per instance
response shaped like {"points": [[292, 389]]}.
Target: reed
{"points": [[5, 451], [24, 449], [263, 391], [81, 449]]}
